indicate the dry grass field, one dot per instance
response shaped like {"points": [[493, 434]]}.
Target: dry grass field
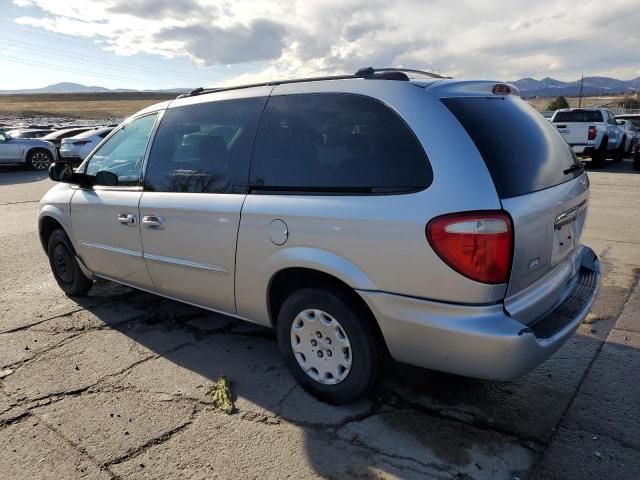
{"points": [[79, 105], [88, 106], [541, 103]]}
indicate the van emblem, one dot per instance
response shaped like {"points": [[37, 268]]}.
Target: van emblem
{"points": [[534, 263]]}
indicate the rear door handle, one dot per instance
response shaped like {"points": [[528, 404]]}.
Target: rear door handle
{"points": [[154, 222], [128, 219]]}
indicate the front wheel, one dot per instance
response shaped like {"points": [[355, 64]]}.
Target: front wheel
{"points": [[65, 267], [329, 345], [39, 159]]}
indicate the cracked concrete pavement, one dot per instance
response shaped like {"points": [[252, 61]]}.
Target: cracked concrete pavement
{"points": [[114, 385]]}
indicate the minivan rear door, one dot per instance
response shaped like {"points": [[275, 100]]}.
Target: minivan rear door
{"points": [[541, 185]]}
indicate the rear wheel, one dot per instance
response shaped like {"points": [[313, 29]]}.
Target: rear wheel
{"points": [[619, 155], [329, 345], [65, 267], [599, 155], [39, 159]]}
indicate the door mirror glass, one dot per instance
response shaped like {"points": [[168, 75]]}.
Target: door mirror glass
{"points": [[61, 172]]}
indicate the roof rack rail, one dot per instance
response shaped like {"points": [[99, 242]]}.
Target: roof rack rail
{"points": [[365, 73], [370, 71]]}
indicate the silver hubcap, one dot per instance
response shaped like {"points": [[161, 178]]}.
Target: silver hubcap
{"points": [[40, 160], [321, 346]]}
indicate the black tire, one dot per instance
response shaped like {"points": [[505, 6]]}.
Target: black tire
{"points": [[636, 161], [39, 159], [619, 155], [64, 266], [366, 349], [598, 157]]}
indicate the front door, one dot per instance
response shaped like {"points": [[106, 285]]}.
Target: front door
{"points": [[194, 187], [105, 219]]}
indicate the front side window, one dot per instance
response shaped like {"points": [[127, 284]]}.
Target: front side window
{"points": [[336, 144], [123, 153], [204, 148]]}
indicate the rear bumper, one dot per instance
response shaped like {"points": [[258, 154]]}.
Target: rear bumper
{"points": [[69, 157], [585, 150], [482, 341]]}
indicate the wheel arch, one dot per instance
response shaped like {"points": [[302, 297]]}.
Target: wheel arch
{"points": [[50, 219], [35, 148], [289, 280]]}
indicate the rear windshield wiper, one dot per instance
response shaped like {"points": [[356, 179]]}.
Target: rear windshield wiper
{"points": [[573, 168]]}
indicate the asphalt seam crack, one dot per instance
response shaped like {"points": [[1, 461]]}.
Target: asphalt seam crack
{"points": [[530, 443], [79, 448], [159, 440]]}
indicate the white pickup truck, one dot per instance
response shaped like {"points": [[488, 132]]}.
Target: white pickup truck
{"points": [[591, 132]]}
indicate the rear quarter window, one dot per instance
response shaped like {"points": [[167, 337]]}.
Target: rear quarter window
{"points": [[335, 143], [521, 149]]}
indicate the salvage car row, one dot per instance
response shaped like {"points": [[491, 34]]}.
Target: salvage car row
{"points": [[38, 148]]}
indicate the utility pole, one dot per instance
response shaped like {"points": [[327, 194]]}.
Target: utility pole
{"points": [[580, 99]]}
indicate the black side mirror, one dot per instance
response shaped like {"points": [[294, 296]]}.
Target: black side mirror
{"points": [[61, 172]]}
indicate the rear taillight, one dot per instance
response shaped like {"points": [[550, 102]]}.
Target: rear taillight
{"points": [[81, 142], [592, 133], [479, 245]]}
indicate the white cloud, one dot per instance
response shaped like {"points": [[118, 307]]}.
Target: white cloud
{"points": [[463, 38]]}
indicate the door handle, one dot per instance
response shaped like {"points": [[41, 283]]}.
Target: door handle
{"points": [[128, 219], [154, 222]]}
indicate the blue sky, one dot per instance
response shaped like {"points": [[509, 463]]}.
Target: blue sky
{"points": [[33, 57], [155, 44]]}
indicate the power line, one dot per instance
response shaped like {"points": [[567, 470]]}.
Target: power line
{"points": [[96, 63], [83, 72]]}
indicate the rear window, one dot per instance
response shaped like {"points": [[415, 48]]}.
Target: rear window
{"points": [[336, 143], [586, 116], [523, 152]]}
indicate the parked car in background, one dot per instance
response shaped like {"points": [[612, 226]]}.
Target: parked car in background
{"points": [[328, 210], [591, 132], [76, 148], [57, 136], [631, 125], [35, 153], [29, 132]]}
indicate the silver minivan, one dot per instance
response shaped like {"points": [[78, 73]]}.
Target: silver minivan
{"points": [[383, 213]]}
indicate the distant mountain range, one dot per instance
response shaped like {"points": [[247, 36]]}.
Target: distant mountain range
{"points": [[529, 87], [550, 87], [68, 87]]}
